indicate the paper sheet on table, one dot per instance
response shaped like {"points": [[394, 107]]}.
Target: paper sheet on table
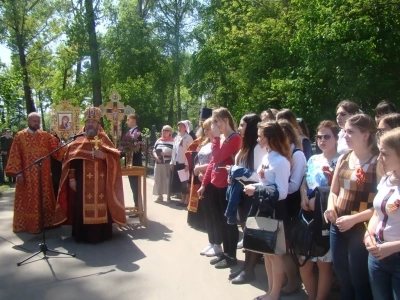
{"points": [[183, 175]]}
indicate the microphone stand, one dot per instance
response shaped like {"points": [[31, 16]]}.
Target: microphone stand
{"points": [[42, 246]]}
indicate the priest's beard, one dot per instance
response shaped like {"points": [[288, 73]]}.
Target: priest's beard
{"points": [[92, 132], [34, 128]]}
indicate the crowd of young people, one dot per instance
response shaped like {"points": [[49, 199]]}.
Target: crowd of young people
{"points": [[354, 153]]}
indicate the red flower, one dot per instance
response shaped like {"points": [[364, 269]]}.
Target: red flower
{"points": [[360, 174], [327, 170]]}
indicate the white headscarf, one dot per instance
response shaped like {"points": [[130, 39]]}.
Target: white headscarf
{"points": [[187, 125]]}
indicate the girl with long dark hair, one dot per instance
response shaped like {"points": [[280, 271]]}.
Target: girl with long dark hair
{"points": [[249, 157]]}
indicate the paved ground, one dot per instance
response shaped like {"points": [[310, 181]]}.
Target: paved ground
{"points": [[161, 261]]}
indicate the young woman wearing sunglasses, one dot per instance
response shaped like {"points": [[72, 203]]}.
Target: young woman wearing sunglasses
{"points": [[320, 168]]}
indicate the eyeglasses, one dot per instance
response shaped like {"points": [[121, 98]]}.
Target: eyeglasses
{"points": [[323, 136], [165, 130], [380, 131]]}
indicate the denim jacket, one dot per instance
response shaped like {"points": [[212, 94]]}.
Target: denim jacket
{"points": [[233, 193]]}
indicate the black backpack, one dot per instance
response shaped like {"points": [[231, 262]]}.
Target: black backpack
{"points": [[310, 234]]}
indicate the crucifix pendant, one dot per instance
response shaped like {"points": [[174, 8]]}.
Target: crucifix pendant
{"points": [[96, 141]]}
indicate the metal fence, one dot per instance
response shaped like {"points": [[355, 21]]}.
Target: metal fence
{"points": [[147, 154]]}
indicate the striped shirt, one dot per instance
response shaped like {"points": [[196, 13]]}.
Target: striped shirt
{"points": [[166, 147]]}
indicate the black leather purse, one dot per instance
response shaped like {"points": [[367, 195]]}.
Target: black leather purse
{"points": [[264, 235], [310, 234]]}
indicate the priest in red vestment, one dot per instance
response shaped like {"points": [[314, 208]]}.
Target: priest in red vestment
{"points": [[29, 145], [90, 197]]}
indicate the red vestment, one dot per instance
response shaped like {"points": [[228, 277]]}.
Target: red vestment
{"points": [[190, 154], [26, 149], [101, 189]]}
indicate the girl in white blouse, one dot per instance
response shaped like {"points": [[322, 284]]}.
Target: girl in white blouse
{"points": [[382, 238], [275, 169]]}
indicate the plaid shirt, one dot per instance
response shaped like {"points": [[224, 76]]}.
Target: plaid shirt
{"points": [[354, 198]]}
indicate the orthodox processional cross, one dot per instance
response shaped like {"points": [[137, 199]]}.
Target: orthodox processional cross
{"points": [[115, 111]]}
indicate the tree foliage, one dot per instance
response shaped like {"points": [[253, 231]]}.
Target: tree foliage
{"points": [[167, 58], [29, 27]]}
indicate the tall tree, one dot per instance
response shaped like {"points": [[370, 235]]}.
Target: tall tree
{"points": [[12, 102], [29, 27], [94, 52], [175, 19], [132, 62]]}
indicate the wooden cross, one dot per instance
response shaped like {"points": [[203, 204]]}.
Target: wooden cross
{"points": [[96, 141], [115, 111]]}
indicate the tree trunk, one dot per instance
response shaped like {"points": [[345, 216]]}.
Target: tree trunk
{"points": [[177, 68], [41, 111], [94, 53], [178, 93], [171, 103], [65, 79], [78, 72], [30, 104]]}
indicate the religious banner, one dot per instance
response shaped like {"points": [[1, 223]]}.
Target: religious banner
{"points": [[65, 119], [115, 111]]}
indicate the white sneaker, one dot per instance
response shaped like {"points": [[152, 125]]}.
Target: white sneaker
{"points": [[206, 249], [214, 251], [240, 244]]}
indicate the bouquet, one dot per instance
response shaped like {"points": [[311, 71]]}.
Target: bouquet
{"points": [[130, 142]]}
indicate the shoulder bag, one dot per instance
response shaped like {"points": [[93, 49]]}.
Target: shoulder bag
{"points": [[264, 235]]}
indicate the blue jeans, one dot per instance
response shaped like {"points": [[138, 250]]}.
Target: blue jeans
{"points": [[350, 262], [384, 275]]}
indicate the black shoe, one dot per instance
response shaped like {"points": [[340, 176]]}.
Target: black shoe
{"points": [[133, 216], [243, 278], [226, 263], [179, 204], [217, 259], [235, 274]]}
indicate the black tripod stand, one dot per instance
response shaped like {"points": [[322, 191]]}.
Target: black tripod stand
{"points": [[42, 246]]}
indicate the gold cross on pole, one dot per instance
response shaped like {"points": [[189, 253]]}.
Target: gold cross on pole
{"points": [[115, 111]]}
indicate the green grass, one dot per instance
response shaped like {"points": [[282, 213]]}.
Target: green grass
{"points": [[4, 188]]}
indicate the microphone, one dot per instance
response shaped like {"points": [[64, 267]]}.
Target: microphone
{"points": [[78, 135]]}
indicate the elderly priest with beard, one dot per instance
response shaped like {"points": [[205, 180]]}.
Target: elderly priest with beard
{"points": [[90, 197]]}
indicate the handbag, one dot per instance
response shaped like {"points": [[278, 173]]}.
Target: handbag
{"points": [[310, 235], [264, 235]]}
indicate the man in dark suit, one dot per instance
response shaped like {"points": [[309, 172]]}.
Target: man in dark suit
{"points": [[132, 121], [5, 146]]}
